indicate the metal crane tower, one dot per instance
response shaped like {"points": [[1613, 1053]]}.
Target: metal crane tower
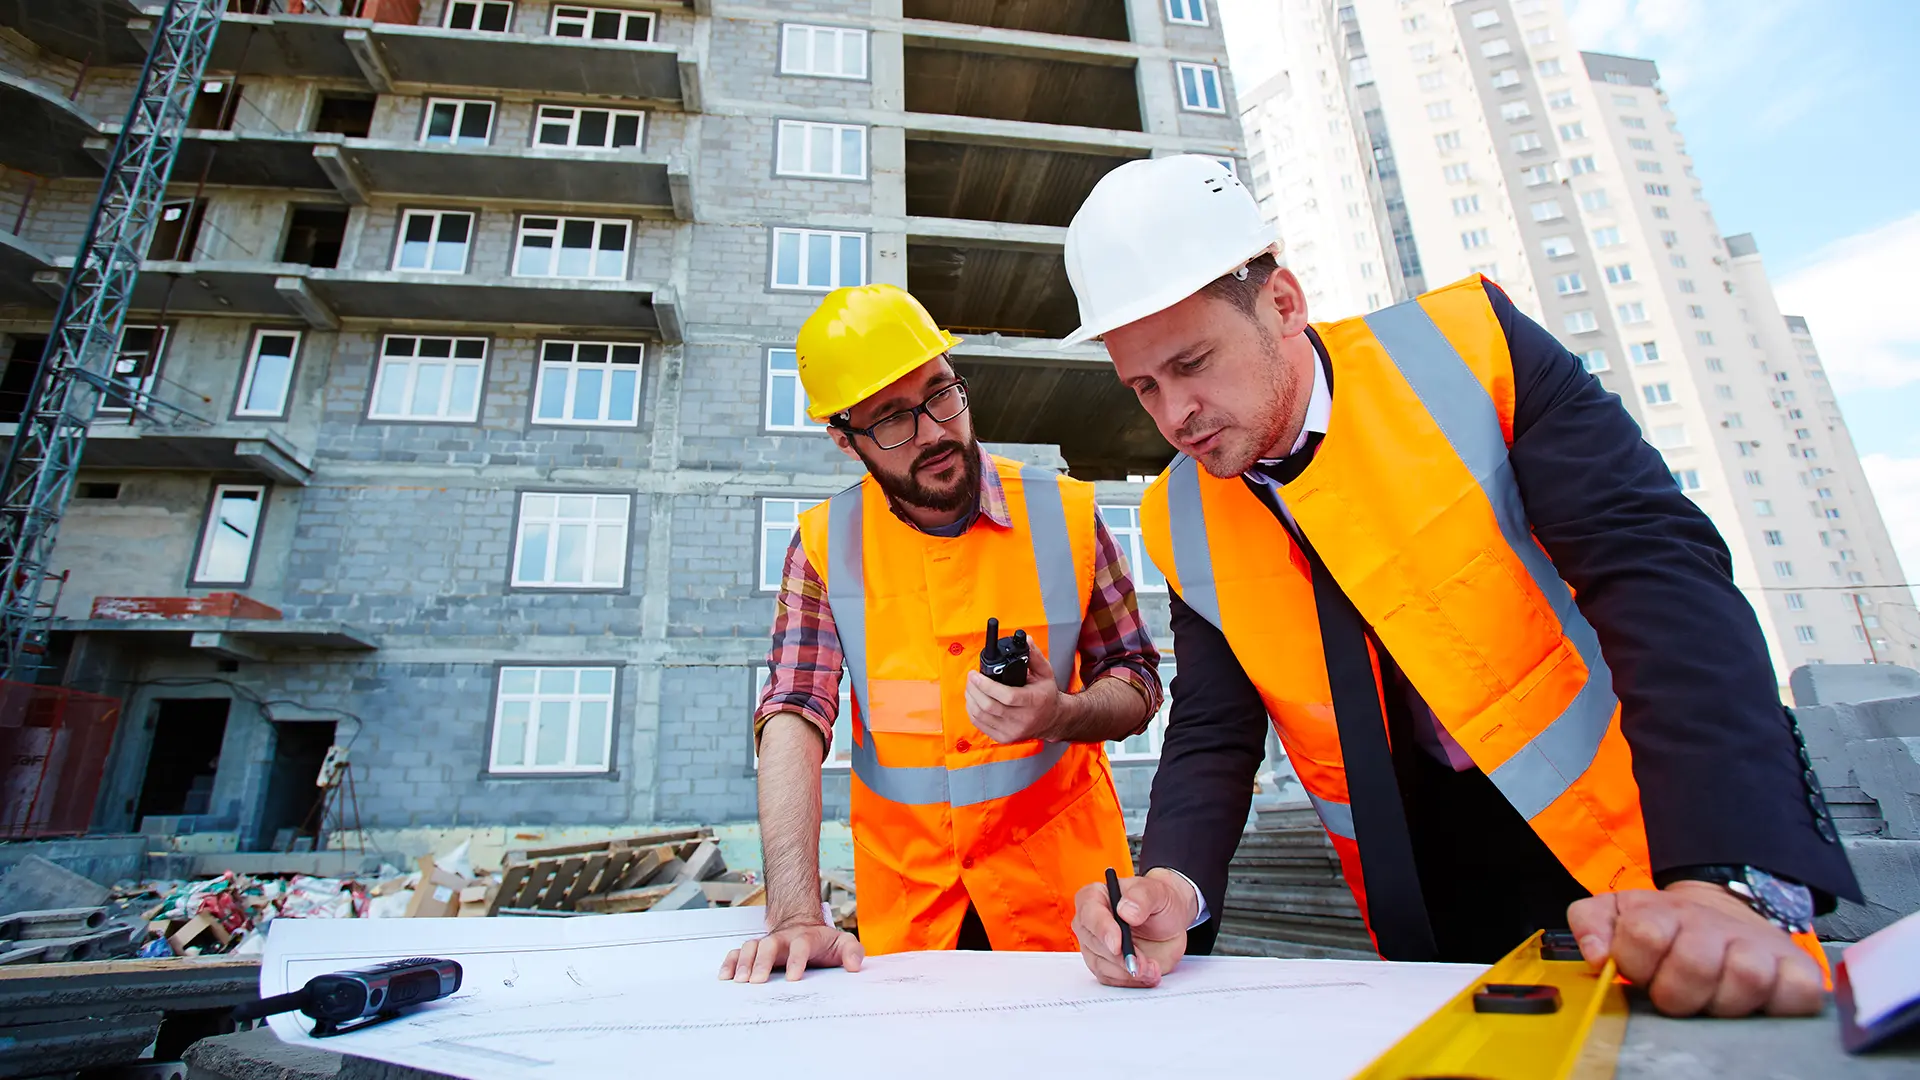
{"points": [[77, 366]]}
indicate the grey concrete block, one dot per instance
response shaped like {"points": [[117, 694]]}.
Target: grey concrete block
{"points": [[34, 884], [1826, 684]]}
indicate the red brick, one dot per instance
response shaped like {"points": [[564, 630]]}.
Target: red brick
{"points": [[220, 605]]}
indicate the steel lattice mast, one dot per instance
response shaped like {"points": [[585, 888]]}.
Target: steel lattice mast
{"points": [[77, 366]]}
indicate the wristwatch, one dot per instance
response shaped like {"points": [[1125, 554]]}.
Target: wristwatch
{"points": [[1786, 904]]}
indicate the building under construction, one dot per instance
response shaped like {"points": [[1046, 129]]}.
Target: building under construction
{"points": [[458, 421]]}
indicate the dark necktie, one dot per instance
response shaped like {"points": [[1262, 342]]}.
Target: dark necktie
{"points": [[1396, 908]]}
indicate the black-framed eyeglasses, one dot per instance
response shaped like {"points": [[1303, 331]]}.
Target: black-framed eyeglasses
{"points": [[898, 429]]}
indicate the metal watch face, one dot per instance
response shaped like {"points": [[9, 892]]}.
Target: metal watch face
{"points": [[1784, 902]]}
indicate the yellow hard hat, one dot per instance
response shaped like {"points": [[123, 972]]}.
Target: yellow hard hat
{"points": [[859, 340]]}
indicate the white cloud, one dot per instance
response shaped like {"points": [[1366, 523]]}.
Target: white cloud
{"points": [[1896, 487], [1857, 297]]}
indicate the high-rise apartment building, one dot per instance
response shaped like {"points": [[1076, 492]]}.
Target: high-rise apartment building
{"points": [[1483, 141], [464, 351]]}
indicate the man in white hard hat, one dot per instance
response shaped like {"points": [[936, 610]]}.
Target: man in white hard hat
{"points": [[1375, 533]]}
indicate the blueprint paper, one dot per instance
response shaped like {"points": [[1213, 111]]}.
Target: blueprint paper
{"points": [[608, 995]]}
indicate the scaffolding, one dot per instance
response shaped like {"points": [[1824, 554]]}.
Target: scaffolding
{"points": [[77, 369]]}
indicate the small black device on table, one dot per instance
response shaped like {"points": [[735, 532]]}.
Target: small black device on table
{"points": [[350, 1000], [1004, 660]]}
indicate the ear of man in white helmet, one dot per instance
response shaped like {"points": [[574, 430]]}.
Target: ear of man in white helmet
{"points": [[1225, 373]]}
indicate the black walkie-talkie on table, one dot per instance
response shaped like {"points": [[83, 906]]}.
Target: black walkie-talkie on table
{"points": [[1004, 660]]}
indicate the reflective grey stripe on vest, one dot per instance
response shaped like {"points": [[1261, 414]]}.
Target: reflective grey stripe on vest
{"points": [[1336, 816], [1540, 772], [847, 596]]}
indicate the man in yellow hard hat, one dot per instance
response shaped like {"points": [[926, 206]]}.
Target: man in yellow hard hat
{"points": [[978, 806]]}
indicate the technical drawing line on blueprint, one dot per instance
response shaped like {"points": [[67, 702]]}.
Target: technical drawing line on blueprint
{"points": [[559, 997]]}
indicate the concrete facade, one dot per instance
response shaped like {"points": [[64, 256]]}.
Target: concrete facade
{"points": [[1565, 177], [395, 529]]}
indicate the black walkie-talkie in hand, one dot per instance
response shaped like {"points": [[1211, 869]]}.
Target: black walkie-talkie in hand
{"points": [[1005, 660]]}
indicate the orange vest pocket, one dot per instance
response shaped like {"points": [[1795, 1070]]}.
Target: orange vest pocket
{"points": [[904, 706]]}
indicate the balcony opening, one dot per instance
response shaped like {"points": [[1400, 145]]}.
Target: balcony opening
{"points": [[178, 233], [345, 114], [978, 289], [215, 105], [1079, 18], [16, 379], [1000, 183], [961, 82], [314, 236]]}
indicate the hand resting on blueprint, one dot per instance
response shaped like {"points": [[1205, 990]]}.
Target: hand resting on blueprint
{"points": [[1160, 907], [797, 946]]}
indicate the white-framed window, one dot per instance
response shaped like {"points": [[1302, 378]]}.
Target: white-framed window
{"points": [[1648, 166], [1774, 537], [1608, 236], [779, 520], [1457, 173], [1506, 77], [1669, 436], [1644, 352], [1514, 111], [1686, 479], [821, 151], [1657, 393], [786, 398], [553, 720], [1123, 523], [1705, 337], [1433, 82], [1619, 273], [1466, 204], [1447, 140], [1540, 36], [136, 364], [1573, 132], [1557, 246], [429, 378], [1696, 311], [1569, 284], [1200, 87], [1640, 144], [1547, 210], [1537, 175], [1630, 314], [601, 24], [572, 248], [1594, 200], [1562, 99], [1582, 165], [1484, 19], [1735, 421], [1549, 67], [815, 260], [1805, 635], [1526, 141], [1474, 238], [1783, 569], [227, 542], [571, 541], [1190, 12], [1580, 322], [589, 382], [1796, 602], [486, 16], [1420, 51], [1658, 189], [1439, 110], [1496, 47], [269, 374], [589, 129], [1595, 361], [457, 122], [434, 241], [832, 52], [1754, 477], [1413, 24], [1146, 745], [1763, 507], [1634, 122]]}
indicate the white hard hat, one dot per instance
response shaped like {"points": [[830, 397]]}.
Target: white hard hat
{"points": [[1153, 233]]}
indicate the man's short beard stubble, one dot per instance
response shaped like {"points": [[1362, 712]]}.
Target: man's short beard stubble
{"points": [[909, 490], [1264, 425]]}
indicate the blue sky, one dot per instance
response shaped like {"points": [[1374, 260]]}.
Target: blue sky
{"points": [[1799, 115]]}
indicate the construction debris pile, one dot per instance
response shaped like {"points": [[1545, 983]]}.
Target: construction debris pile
{"points": [[75, 919]]}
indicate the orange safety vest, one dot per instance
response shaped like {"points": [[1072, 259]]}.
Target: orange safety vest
{"points": [[942, 815], [1411, 502]]}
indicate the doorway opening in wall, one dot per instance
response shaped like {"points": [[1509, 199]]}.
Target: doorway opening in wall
{"points": [[183, 757], [289, 820], [345, 114], [314, 235], [177, 235], [16, 380], [214, 105]]}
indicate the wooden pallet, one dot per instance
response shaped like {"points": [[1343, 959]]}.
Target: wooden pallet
{"points": [[558, 879]]}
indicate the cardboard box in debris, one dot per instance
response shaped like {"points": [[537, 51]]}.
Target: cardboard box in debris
{"points": [[659, 871]]}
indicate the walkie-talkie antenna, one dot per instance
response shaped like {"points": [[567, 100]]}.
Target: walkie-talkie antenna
{"points": [[993, 638]]}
